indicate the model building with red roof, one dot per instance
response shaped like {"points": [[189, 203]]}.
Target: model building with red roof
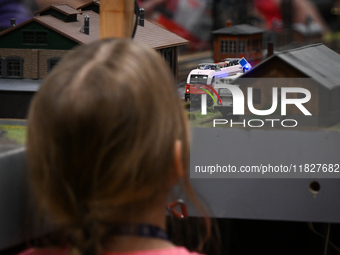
{"points": [[31, 49], [28, 51]]}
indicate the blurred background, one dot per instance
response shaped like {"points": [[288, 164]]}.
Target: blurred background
{"points": [[285, 23], [196, 19]]}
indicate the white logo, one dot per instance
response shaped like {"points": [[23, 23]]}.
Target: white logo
{"points": [[238, 100]]}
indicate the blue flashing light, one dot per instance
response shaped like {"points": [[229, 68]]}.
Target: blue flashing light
{"points": [[243, 62]]}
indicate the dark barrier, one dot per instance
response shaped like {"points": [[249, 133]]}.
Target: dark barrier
{"points": [[292, 199]]}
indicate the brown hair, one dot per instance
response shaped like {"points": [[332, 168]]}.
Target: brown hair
{"points": [[101, 136]]}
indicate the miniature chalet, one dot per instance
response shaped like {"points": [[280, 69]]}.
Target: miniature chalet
{"points": [[28, 51], [91, 6], [313, 67], [307, 33], [238, 41]]}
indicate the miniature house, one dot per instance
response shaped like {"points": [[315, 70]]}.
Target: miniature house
{"points": [[237, 42], [307, 33], [91, 6], [302, 33], [57, 29], [317, 65], [28, 51]]}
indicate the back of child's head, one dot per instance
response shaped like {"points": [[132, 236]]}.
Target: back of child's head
{"points": [[101, 135]]}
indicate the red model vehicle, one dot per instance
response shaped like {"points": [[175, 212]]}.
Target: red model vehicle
{"points": [[205, 74]]}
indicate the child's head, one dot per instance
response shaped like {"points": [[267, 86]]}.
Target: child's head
{"points": [[102, 132]]}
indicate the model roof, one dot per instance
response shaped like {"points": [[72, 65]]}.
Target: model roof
{"points": [[311, 29], [63, 8], [316, 61], [96, 2], [151, 34], [242, 29], [72, 29], [158, 37]]}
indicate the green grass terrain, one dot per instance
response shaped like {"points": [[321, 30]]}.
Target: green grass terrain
{"points": [[199, 120], [15, 133]]}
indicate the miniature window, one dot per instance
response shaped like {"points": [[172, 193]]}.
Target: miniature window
{"points": [[51, 63], [256, 96], [241, 46], [224, 46], [70, 18], [29, 37], [232, 46], [35, 37], [14, 67], [41, 37], [198, 79]]}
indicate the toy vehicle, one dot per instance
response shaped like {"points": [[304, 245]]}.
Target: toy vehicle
{"points": [[205, 74], [225, 95]]}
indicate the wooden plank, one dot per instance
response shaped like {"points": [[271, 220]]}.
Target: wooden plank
{"points": [[116, 18]]}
